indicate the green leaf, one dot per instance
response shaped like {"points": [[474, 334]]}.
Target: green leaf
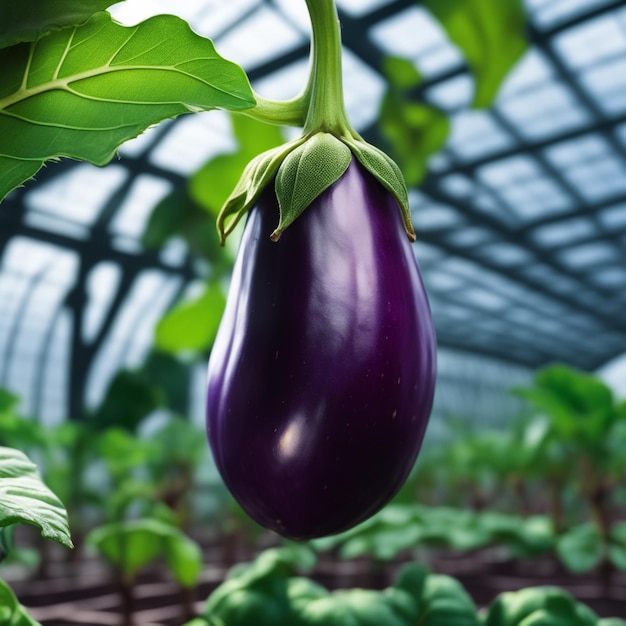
{"points": [[491, 35], [213, 183], [8, 401], [28, 19], [538, 606], [82, 91], [415, 132], [353, 607], [441, 600], [130, 397], [171, 376], [12, 613], [179, 215], [581, 548], [184, 559], [131, 545], [254, 593], [192, 325], [617, 545], [306, 172], [401, 73], [24, 499], [388, 174]]}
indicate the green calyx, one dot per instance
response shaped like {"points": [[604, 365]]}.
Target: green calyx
{"points": [[305, 168]]}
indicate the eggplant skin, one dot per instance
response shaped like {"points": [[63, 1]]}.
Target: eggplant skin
{"points": [[322, 375]]}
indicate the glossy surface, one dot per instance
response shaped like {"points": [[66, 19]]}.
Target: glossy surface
{"points": [[322, 375]]}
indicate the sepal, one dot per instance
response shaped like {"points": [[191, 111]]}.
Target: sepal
{"points": [[255, 177], [388, 174], [306, 172]]}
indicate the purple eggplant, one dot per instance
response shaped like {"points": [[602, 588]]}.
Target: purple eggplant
{"points": [[322, 375]]}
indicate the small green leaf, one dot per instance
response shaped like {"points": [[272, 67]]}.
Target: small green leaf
{"points": [[388, 174], [8, 401], [192, 325], [256, 176], [24, 499], [401, 73], [538, 606], [184, 559], [415, 132], [306, 172], [490, 34], [130, 397], [581, 548], [28, 19], [82, 91], [441, 600], [213, 183], [12, 613], [131, 545]]}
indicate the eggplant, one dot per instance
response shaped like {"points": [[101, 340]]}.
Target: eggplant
{"points": [[322, 374]]}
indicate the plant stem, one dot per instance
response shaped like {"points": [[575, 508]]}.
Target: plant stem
{"points": [[326, 111], [287, 113]]}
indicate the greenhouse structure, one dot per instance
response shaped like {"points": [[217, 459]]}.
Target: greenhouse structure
{"points": [[123, 133]]}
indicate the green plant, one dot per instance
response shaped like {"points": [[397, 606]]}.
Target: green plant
{"points": [[584, 423], [24, 499], [133, 544], [271, 591]]}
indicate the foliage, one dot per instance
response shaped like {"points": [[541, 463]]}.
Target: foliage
{"points": [[402, 527], [267, 592], [12, 613], [83, 90], [192, 324], [25, 499], [131, 545], [270, 591], [540, 606], [490, 35], [29, 19]]}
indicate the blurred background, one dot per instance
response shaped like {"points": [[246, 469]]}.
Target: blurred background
{"points": [[509, 122]]}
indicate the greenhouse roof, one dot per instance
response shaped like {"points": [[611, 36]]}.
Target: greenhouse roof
{"points": [[521, 218]]}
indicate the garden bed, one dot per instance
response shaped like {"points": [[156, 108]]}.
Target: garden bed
{"points": [[86, 594]]}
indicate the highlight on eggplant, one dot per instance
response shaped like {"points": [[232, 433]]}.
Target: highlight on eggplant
{"points": [[322, 375]]}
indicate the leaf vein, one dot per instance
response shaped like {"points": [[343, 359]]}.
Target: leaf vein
{"points": [[64, 54]]}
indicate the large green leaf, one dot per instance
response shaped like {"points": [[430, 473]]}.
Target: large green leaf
{"points": [[490, 34], [192, 325], [28, 19], [25, 499], [81, 91]]}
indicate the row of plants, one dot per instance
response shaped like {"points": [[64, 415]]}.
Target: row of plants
{"points": [[556, 476], [269, 591], [138, 486]]}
